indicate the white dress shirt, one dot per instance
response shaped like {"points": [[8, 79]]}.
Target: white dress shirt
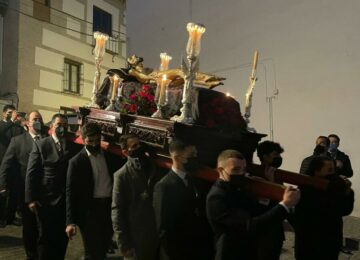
{"points": [[181, 174], [34, 136]]}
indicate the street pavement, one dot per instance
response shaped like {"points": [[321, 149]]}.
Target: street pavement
{"points": [[11, 247]]}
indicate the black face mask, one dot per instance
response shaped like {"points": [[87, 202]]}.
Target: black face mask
{"points": [[276, 162], [138, 158], [60, 131], [237, 181], [319, 149], [37, 126], [138, 152], [191, 165], [331, 176], [93, 149]]}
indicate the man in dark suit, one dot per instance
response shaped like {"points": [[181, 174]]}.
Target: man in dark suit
{"points": [[9, 127], [132, 211], [177, 204], [270, 243], [88, 193], [236, 218], [342, 160], [15, 163], [321, 149], [318, 216], [45, 187]]}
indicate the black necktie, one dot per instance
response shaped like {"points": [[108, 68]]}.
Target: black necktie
{"points": [[59, 148], [36, 138], [189, 183], [187, 180], [194, 194]]}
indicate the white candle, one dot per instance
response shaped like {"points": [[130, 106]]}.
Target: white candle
{"points": [[164, 61], [115, 86], [162, 89], [100, 43], [255, 61], [195, 33]]}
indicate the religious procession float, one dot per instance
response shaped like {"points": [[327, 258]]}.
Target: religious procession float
{"points": [[159, 105]]}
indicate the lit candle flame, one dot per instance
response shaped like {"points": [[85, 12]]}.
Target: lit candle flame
{"points": [[195, 33], [165, 59], [101, 39]]}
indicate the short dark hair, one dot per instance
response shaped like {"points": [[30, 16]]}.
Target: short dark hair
{"points": [[178, 146], [32, 111], [316, 164], [268, 147], [124, 139], [7, 107], [326, 138], [58, 115], [227, 154], [90, 129], [335, 136]]}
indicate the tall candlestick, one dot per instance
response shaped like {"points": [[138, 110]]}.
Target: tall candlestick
{"points": [[99, 52], [164, 65], [192, 50], [248, 95]]}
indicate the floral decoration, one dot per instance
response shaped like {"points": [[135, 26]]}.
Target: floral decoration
{"points": [[140, 102]]}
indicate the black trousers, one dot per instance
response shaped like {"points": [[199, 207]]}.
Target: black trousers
{"points": [[96, 231], [30, 232], [53, 240], [16, 193]]}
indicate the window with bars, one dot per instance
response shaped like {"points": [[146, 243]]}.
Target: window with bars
{"points": [[102, 21], [72, 76], [42, 10]]}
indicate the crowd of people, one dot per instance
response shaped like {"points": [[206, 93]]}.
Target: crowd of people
{"points": [[59, 187]]}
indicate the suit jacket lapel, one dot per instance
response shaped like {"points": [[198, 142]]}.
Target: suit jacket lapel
{"points": [[28, 140], [85, 160], [65, 146], [85, 167], [108, 164], [54, 146], [178, 180]]}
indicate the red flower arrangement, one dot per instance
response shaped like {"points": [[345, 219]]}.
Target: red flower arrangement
{"points": [[140, 102]]}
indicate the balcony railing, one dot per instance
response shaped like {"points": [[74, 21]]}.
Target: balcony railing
{"points": [[112, 46]]}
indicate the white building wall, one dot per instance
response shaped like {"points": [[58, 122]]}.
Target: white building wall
{"points": [[309, 50], [46, 46]]}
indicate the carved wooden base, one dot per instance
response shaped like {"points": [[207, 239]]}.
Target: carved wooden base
{"points": [[158, 133]]}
